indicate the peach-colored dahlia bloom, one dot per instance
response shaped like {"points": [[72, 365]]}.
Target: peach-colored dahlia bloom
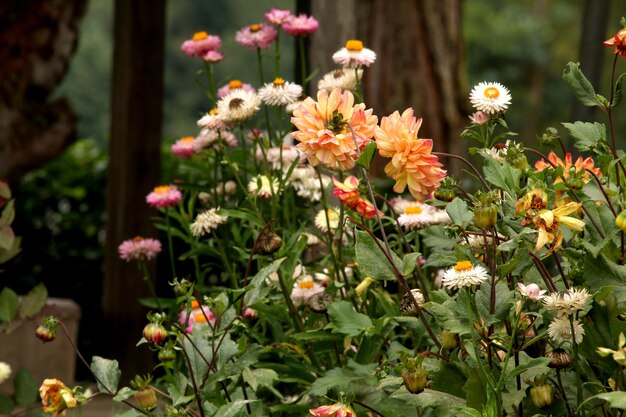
{"points": [[412, 163], [323, 130]]}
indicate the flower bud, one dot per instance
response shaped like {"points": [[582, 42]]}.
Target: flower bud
{"points": [[620, 220], [485, 216], [146, 398], [47, 330], [155, 333], [449, 340], [559, 359], [415, 380], [320, 301], [406, 304], [249, 313], [444, 194], [268, 243], [542, 395], [167, 354]]}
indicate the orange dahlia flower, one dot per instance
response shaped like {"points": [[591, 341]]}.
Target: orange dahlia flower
{"points": [[580, 166], [412, 163], [323, 130], [348, 193], [618, 41]]}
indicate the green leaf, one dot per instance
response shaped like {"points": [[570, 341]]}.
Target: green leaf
{"points": [[351, 379], [586, 135], [129, 413], [7, 238], [600, 272], [409, 262], [580, 84], [233, 409], [258, 281], [346, 320], [317, 336], [199, 366], [8, 214], [617, 97], [458, 211], [123, 394], [178, 389], [430, 399], [541, 363], [616, 399], [6, 403], [259, 377], [33, 302], [108, 373], [367, 154], [26, 389], [372, 261], [503, 176], [9, 304]]}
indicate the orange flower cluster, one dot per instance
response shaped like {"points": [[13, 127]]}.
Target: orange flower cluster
{"points": [[348, 193], [580, 166], [619, 42], [412, 163], [324, 128]]}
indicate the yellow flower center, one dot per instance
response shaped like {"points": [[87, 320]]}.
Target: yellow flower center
{"points": [[492, 92], [463, 266], [255, 28], [235, 84], [198, 36], [354, 45], [213, 112], [200, 318], [162, 189], [137, 238], [413, 210], [186, 139], [305, 285], [195, 304], [278, 82]]}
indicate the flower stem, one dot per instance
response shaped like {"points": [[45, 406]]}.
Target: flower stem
{"points": [[170, 245]]}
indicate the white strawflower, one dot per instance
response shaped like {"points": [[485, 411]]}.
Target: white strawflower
{"points": [[322, 223], [207, 221], [415, 215], [407, 306], [238, 106], [354, 55], [5, 371], [305, 287], [490, 98], [274, 155], [568, 301], [560, 330], [307, 184], [280, 93], [464, 274], [344, 78], [263, 186], [211, 121]]}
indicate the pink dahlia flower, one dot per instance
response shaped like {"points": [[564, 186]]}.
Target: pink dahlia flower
{"points": [[323, 130], [301, 25], [412, 163], [278, 17], [257, 36], [200, 44], [139, 249], [232, 85], [335, 410], [164, 196]]}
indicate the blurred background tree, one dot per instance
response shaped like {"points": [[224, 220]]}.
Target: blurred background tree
{"points": [[523, 44]]}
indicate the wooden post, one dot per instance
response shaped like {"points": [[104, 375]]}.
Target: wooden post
{"points": [[134, 170]]}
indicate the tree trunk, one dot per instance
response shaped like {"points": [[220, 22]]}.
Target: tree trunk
{"points": [[134, 169], [419, 56], [39, 39], [591, 52]]}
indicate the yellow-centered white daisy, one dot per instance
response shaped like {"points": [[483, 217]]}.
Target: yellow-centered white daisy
{"points": [[464, 274], [490, 98]]}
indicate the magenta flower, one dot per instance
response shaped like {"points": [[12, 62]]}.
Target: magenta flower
{"points": [[226, 89], [164, 196], [257, 36], [139, 249], [184, 147], [213, 56], [278, 17], [301, 25], [197, 316], [200, 44]]}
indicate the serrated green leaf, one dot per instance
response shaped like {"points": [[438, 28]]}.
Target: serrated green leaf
{"points": [[430, 399], [33, 302], [260, 377], [458, 211], [503, 176], [258, 281], [9, 304], [108, 373], [409, 262], [372, 261], [580, 84], [616, 399], [346, 320], [233, 409], [178, 389], [26, 389], [586, 135], [123, 394], [617, 97], [367, 154], [348, 380]]}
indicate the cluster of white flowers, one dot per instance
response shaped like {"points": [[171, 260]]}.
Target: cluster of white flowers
{"points": [[207, 221]]}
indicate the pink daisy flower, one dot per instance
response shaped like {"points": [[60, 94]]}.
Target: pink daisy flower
{"points": [[200, 44], [232, 85], [211, 121], [164, 196], [198, 315], [301, 25], [213, 56], [257, 36], [184, 147], [139, 249], [278, 17]]}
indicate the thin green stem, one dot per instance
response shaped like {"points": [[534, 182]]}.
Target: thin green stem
{"points": [[170, 245], [576, 363], [146, 277], [302, 53]]}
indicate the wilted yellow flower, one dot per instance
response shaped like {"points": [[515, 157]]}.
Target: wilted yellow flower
{"points": [[56, 397]]}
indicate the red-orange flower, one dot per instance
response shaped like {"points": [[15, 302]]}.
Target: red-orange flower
{"points": [[335, 410], [580, 166], [619, 42], [412, 163], [324, 128], [348, 193]]}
